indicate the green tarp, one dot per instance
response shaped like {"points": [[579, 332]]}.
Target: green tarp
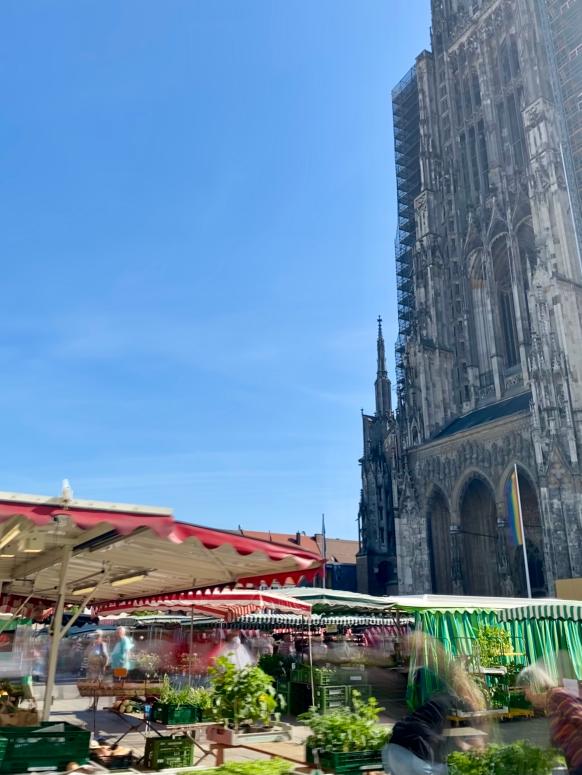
{"points": [[555, 642]]}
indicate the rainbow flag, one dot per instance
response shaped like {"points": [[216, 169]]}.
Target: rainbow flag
{"points": [[513, 509]]}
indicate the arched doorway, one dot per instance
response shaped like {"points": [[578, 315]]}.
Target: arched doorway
{"points": [[534, 541], [439, 543], [478, 539]]}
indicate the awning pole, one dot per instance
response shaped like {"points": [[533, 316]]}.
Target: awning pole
{"points": [[191, 646], [312, 681], [56, 636]]}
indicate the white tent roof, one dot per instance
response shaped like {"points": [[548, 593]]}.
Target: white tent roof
{"points": [[463, 602]]}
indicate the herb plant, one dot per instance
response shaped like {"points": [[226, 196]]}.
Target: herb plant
{"points": [[258, 767], [186, 695], [346, 730], [242, 697], [518, 759]]}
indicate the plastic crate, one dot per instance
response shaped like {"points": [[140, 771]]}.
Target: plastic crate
{"points": [[163, 752], [333, 693], [352, 675], [330, 698], [164, 713], [340, 762], [49, 745], [302, 674]]}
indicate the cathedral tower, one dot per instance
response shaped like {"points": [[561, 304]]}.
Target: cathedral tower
{"points": [[488, 143]]}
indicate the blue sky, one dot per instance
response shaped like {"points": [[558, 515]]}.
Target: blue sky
{"points": [[197, 214]]}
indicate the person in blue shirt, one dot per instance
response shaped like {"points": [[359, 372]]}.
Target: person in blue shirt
{"points": [[120, 655]]}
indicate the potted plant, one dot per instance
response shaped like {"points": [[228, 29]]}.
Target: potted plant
{"points": [[519, 758], [346, 740], [183, 705], [244, 701]]}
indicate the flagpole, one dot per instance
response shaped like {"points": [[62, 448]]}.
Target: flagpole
{"points": [[525, 563], [324, 546]]}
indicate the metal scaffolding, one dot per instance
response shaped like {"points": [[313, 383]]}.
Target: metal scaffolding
{"points": [[406, 151]]}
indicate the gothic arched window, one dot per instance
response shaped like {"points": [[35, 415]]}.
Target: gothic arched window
{"points": [[482, 316], [505, 304]]}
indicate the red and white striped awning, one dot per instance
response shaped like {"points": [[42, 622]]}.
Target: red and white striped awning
{"points": [[111, 541], [228, 604]]}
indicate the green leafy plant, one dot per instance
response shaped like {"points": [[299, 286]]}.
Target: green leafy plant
{"points": [[518, 759], [244, 697], [493, 643], [258, 767], [186, 695], [346, 729]]}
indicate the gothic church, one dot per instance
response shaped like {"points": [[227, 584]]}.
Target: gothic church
{"points": [[488, 146]]}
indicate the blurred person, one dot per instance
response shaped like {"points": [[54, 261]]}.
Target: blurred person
{"points": [[563, 710], [264, 644], [418, 745], [97, 655], [237, 653], [286, 646], [120, 654]]}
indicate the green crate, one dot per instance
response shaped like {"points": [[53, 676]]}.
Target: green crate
{"points": [[333, 693], [302, 674], [50, 745], [165, 713], [342, 762], [164, 752], [352, 675], [328, 698]]}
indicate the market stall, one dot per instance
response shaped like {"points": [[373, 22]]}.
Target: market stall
{"points": [[61, 552], [551, 631], [461, 625]]}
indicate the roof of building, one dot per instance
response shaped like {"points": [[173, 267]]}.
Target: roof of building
{"points": [[341, 550], [490, 413], [299, 540]]}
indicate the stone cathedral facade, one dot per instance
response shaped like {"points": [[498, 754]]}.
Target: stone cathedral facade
{"points": [[488, 145]]}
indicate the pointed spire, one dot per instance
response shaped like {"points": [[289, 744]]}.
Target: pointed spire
{"points": [[383, 387], [381, 351]]}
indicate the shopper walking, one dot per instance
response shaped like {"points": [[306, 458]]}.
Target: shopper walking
{"points": [[563, 710]]}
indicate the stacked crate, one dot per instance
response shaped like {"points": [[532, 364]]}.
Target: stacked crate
{"points": [[334, 688]]}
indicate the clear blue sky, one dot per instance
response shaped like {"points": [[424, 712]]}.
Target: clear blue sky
{"points": [[197, 214]]}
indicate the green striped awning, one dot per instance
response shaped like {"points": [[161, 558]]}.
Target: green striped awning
{"points": [[567, 610], [337, 600]]}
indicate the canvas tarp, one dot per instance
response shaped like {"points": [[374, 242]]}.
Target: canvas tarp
{"points": [[555, 642]]}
